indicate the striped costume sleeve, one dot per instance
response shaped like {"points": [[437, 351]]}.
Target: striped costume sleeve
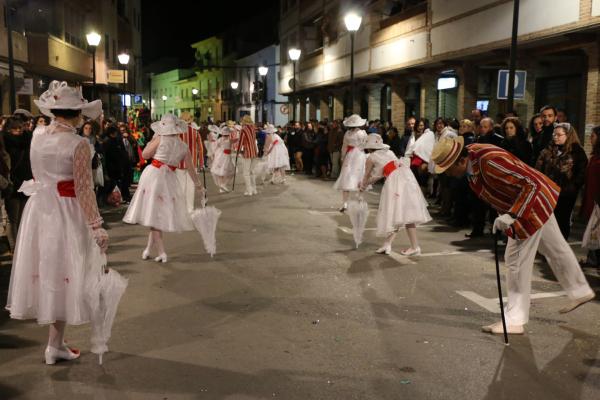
{"points": [[507, 172]]}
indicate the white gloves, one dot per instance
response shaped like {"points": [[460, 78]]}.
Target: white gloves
{"points": [[502, 223], [101, 238]]}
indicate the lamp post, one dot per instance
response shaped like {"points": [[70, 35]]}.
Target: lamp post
{"points": [[194, 96], [294, 56], [352, 21], [263, 71], [93, 40], [164, 99], [234, 86], [124, 60]]}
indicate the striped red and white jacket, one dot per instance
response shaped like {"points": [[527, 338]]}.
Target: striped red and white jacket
{"points": [[194, 141], [247, 142], [511, 186]]}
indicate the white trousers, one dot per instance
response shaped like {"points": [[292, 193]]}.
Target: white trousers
{"points": [[519, 257], [248, 165], [187, 187]]}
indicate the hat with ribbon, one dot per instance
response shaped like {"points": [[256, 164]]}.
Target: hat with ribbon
{"points": [[446, 152], [169, 124], [61, 96], [375, 142], [354, 121], [270, 128]]}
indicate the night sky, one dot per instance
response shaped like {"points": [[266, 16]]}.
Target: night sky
{"points": [[169, 28]]}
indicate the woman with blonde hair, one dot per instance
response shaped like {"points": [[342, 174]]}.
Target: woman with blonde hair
{"points": [[564, 161]]}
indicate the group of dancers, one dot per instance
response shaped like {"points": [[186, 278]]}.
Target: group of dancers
{"points": [[61, 224]]}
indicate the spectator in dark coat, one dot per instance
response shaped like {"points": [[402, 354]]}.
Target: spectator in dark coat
{"points": [[548, 114], [116, 159], [515, 140]]}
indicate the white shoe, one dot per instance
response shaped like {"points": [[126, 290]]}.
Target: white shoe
{"points": [[161, 258], [254, 192], [146, 254], [497, 329], [247, 193], [52, 355], [344, 207], [411, 252], [384, 250], [573, 304]]}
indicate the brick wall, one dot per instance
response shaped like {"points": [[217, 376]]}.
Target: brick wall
{"points": [[592, 104], [398, 87]]}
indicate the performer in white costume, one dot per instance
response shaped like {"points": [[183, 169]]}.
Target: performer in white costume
{"points": [[353, 158], [158, 202], [211, 142], [278, 158], [222, 167], [61, 224], [401, 203]]}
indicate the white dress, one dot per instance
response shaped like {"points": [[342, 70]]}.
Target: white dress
{"points": [[159, 201], [353, 167], [222, 164], [54, 247], [278, 156], [401, 200]]}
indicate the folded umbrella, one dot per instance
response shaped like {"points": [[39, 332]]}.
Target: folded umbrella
{"points": [[104, 288], [358, 211], [205, 221]]}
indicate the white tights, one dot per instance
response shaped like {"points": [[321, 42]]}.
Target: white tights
{"points": [[155, 239], [411, 232], [56, 334]]}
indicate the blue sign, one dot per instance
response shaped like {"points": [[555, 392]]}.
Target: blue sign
{"points": [[137, 99], [520, 80]]}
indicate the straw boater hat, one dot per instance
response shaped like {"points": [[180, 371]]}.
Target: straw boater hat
{"points": [[354, 121], [270, 128], [247, 120], [230, 123], [375, 142], [169, 125], [446, 152], [187, 117], [61, 96]]}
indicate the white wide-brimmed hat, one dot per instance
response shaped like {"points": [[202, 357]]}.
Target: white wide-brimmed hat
{"points": [[226, 131], [270, 128], [61, 96], [169, 124], [375, 142], [214, 128], [354, 121]]}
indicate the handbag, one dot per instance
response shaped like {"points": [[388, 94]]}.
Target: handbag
{"points": [[591, 237]]}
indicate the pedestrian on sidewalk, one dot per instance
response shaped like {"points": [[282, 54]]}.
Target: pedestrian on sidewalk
{"points": [[401, 203], [158, 202], [335, 139], [278, 159], [353, 158], [564, 161], [525, 198], [61, 223]]}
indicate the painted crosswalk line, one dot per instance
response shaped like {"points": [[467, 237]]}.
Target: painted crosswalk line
{"points": [[493, 305]]}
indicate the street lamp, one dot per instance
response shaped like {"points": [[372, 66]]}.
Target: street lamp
{"points": [[352, 21], [234, 85], [294, 56], [93, 40], [164, 99], [124, 60], [263, 71], [194, 95]]}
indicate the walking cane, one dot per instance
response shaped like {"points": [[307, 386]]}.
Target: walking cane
{"points": [[235, 167], [496, 235]]}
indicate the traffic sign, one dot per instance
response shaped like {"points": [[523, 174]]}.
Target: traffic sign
{"points": [[520, 80]]}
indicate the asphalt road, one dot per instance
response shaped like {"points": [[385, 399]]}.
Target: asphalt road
{"points": [[289, 309]]}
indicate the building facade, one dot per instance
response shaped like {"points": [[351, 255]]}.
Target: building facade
{"points": [[49, 42], [404, 48]]}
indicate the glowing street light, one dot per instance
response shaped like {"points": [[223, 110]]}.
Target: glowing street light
{"points": [[352, 21], [93, 40], [294, 54]]}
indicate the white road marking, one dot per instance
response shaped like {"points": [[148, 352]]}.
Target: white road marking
{"points": [[493, 304], [400, 258]]}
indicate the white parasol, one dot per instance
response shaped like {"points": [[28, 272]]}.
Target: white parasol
{"points": [[104, 288], [261, 169], [358, 211]]}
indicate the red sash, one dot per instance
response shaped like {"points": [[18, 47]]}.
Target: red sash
{"points": [[275, 142], [416, 161], [158, 164], [227, 151], [66, 188], [349, 148], [389, 168]]}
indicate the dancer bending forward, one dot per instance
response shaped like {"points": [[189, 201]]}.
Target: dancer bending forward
{"points": [[353, 158], [159, 202], [222, 168], [401, 203]]}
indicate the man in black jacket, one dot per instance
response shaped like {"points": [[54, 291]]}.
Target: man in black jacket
{"points": [[548, 114], [116, 159]]}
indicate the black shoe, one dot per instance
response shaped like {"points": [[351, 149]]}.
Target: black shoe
{"points": [[474, 234]]}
